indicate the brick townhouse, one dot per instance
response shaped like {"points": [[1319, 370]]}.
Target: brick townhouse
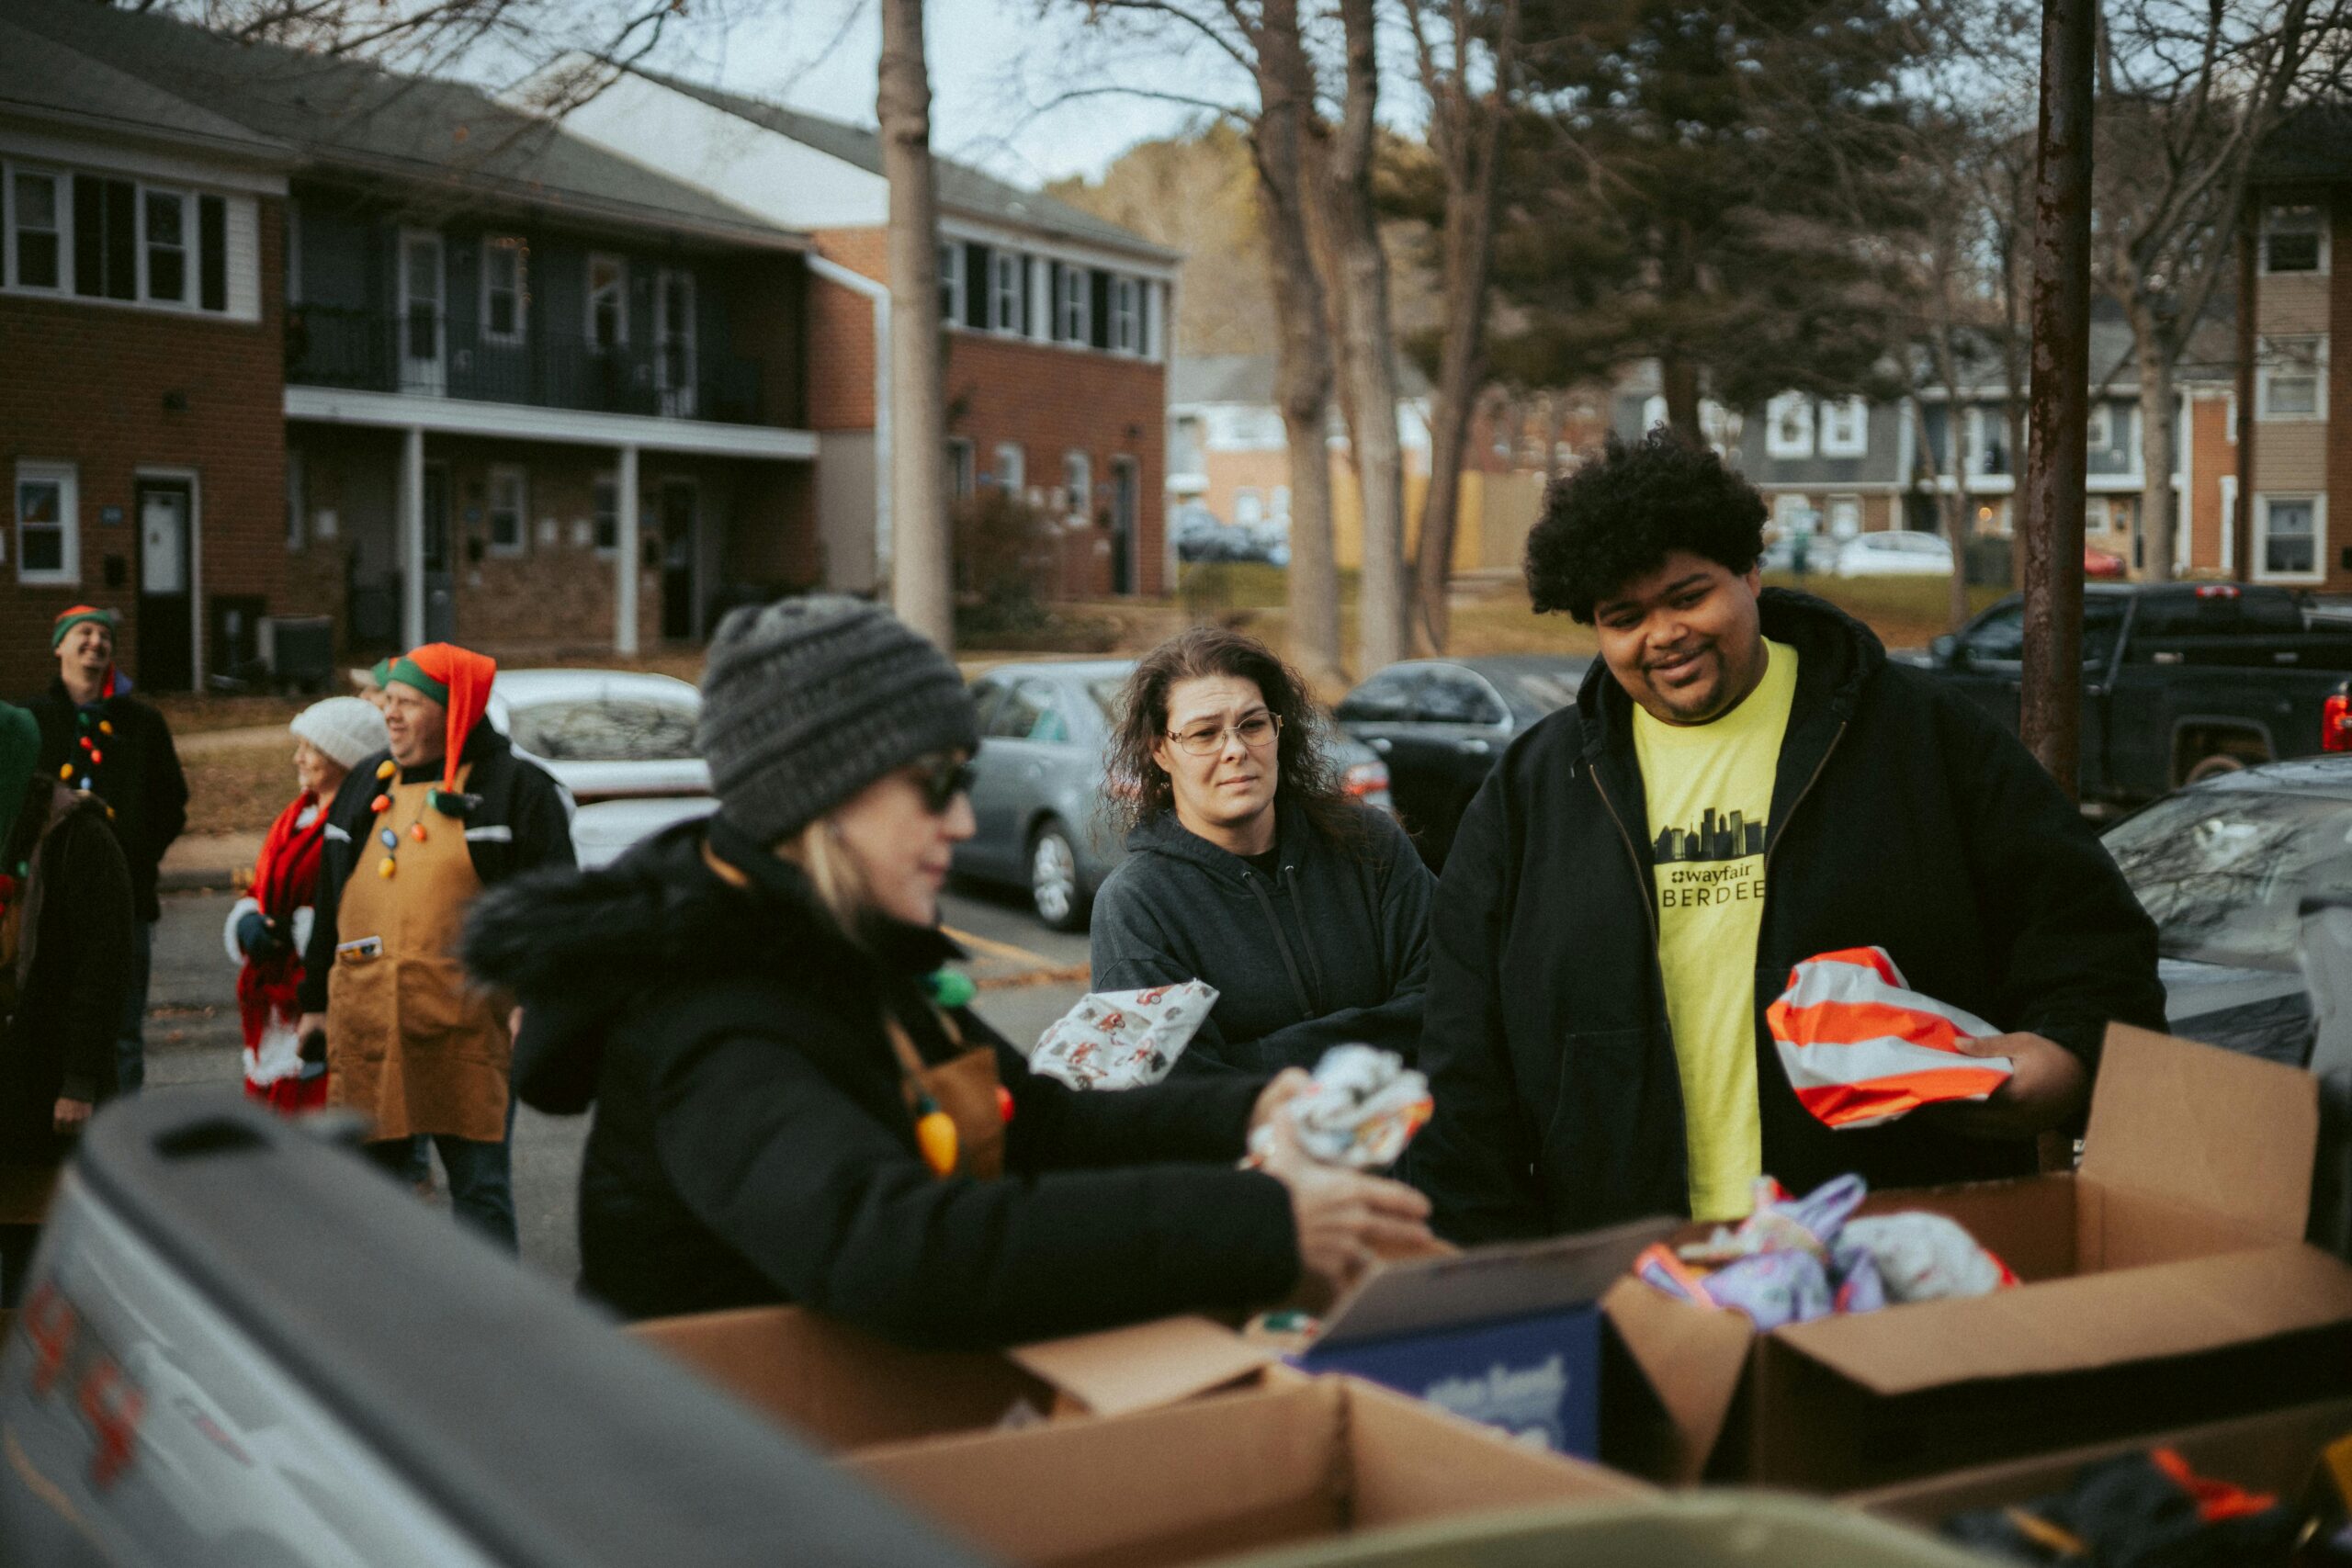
{"points": [[471, 377], [1057, 328], [2300, 452], [140, 428], [1843, 466]]}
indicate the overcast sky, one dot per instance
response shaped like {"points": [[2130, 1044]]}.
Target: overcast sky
{"points": [[992, 67]]}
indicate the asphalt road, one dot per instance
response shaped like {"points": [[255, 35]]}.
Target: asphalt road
{"points": [[1028, 975]]}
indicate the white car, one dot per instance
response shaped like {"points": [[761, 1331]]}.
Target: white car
{"points": [[605, 734], [1900, 553], [603, 832]]}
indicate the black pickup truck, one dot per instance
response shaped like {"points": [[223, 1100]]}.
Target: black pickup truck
{"points": [[2181, 681]]}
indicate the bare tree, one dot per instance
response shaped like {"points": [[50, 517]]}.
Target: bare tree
{"points": [[2189, 91], [1468, 73], [921, 533], [1367, 344]]}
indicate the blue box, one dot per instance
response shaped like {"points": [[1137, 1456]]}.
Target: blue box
{"points": [[1509, 1335], [1537, 1378]]}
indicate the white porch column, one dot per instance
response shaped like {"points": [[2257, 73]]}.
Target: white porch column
{"points": [[625, 564], [411, 491]]}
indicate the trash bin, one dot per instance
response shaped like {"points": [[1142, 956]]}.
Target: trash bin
{"points": [[1715, 1530], [300, 650]]}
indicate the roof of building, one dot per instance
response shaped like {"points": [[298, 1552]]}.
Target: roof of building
{"points": [[47, 80], [1250, 378], [353, 117], [962, 190], [2313, 143]]}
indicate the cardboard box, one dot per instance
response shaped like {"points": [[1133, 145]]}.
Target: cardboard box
{"points": [[1218, 1477], [843, 1388], [1509, 1335], [2275, 1452], [2167, 1283]]}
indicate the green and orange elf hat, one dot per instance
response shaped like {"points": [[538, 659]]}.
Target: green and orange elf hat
{"points": [[459, 679]]}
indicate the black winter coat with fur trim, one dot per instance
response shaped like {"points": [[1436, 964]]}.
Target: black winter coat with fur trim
{"points": [[752, 1143]]}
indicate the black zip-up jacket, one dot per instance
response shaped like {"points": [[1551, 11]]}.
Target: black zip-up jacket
{"points": [[1333, 949], [752, 1142], [72, 963], [521, 820], [1902, 817], [138, 774]]}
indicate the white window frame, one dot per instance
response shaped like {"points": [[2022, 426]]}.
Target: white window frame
{"points": [[963, 468], [501, 474], [951, 282], [678, 393], [1006, 295], [1078, 485], [2098, 426], [514, 246], [2317, 500], [1075, 310], [59, 184], [1776, 444], [68, 480], [619, 264], [610, 480], [2269, 212], [1854, 444], [1249, 507], [2229, 522], [1010, 467], [1652, 413], [1850, 505], [1126, 315], [191, 253], [2266, 367]]}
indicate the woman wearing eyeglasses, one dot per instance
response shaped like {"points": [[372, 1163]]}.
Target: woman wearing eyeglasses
{"points": [[793, 1102], [1250, 868]]}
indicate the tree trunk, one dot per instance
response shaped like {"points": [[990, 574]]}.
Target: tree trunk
{"points": [[1369, 357], [1466, 134], [921, 590], [2159, 516], [1302, 350]]}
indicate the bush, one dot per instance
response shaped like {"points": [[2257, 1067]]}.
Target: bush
{"points": [[1005, 555]]}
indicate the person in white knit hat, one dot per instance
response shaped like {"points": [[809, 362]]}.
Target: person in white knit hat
{"points": [[267, 929]]}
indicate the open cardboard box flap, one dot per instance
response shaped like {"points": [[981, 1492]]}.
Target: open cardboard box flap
{"points": [[2204, 1129], [1144, 1365], [845, 1388], [1488, 1284], [2192, 1195], [2088, 1322]]}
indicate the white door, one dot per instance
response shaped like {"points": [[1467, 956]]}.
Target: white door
{"points": [[423, 329], [673, 341]]}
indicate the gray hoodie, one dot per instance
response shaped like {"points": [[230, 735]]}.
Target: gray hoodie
{"points": [[1331, 949]]}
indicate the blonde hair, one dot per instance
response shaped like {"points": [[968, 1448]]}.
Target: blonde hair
{"points": [[833, 871]]}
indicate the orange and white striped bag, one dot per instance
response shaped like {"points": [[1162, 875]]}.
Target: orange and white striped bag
{"points": [[1860, 1047]]}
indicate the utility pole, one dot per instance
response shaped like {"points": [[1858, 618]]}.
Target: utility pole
{"points": [[922, 584], [2051, 704]]}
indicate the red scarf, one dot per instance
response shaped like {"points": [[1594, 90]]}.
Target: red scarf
{"points": [[286, 876]]}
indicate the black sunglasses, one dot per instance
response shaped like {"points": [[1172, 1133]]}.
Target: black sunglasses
{"points": [[943, 778]]}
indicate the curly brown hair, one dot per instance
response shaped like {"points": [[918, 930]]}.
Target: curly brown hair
{"points": [[1136, 789]]}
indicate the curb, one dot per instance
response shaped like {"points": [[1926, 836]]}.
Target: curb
{"points": [[197, 879]]}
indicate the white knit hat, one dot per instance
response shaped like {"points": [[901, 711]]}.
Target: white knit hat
{"points": [[345, 729]]}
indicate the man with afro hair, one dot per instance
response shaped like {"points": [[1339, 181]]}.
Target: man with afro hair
{"points": [[1744, 781]]}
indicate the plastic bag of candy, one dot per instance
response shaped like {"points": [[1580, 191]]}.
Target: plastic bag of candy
{"points": [[1122, 1039], [1363, 1110]]}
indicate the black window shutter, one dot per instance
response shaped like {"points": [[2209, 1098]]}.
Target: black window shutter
{"points": [[1098, 316], [1145, 289], [1028, 299], [1054, 301], [212, 251], [976, 285], [89, 236], [122, 240]]}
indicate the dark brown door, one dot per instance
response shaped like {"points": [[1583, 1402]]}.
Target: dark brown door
{"points": [[166, 585]]}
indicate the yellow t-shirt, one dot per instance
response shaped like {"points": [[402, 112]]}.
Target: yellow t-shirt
{"points": [[1709, 790]]}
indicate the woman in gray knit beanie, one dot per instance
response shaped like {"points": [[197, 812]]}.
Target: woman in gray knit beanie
{"points": [[794, 1101]]}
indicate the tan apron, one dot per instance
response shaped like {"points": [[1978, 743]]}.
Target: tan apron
{"points": [[411, 1042], [968, 1090]]}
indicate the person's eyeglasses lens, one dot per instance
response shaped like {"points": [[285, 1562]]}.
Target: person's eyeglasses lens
{"points": [[948, 778], [1203, 738]]}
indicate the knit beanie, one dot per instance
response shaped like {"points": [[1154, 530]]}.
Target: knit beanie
{"points": [[805, 702], [345, 729]]}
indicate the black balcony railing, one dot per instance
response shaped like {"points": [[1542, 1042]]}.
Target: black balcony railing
{"points": [[375, 351]]}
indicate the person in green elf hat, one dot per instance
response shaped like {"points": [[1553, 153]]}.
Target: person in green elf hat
{"points": [[65, 963], [97, 738]]}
